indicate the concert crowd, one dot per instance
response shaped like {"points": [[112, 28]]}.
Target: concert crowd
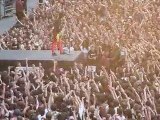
{"points": [[119, 78]]}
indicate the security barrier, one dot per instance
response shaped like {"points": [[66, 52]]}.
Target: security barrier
{"points": [[9, 7], [1, 8]]}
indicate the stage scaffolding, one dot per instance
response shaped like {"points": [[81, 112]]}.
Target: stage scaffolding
{"points": [[7, 8]]}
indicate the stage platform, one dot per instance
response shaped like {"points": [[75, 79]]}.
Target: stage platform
{"points": [[38, 55]]}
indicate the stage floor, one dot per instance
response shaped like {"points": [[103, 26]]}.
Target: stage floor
{"points": [[15, 55]]}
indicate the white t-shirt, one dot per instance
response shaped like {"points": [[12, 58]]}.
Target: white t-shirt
{"points": [[44, 116]]}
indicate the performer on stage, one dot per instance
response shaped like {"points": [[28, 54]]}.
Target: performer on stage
{"points": [[56, 42], [56, 35]]}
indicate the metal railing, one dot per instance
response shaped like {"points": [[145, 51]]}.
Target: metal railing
{"points": [[1, 4], [7, 8]]}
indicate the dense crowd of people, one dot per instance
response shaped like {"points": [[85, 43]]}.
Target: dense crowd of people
{"points": [[78, 93], [119, 78]]}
